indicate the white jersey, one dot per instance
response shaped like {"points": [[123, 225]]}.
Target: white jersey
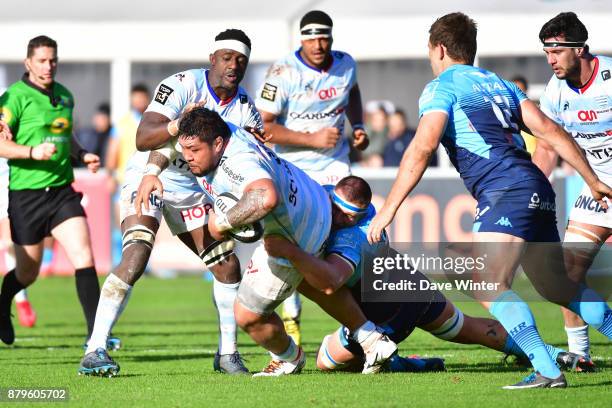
{"points": [[586, 114], [307, 99], [172, 95], [303, 214]]}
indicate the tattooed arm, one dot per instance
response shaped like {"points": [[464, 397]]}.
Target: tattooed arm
{"points": [[258, 200]]}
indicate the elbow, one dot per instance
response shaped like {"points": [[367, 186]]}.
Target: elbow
{"points": [[270, 201]]}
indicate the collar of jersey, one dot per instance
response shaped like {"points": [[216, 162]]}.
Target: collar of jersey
{"points": [[586, 86], [218, 100], [48, 92], [299, 58]]}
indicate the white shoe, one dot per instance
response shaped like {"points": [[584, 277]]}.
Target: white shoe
{"points": [[378, 348], [277, 368]]}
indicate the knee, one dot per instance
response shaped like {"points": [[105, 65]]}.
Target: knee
{"points": [[245, 319], [593, 313], [227, 271]]}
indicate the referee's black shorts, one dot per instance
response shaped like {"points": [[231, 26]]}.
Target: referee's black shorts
{"points": [[34, 213]]}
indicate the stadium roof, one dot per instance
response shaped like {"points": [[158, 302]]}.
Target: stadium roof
{"points": [[181, 30], [147, 10]]}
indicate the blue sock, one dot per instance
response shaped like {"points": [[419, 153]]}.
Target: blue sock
{"points": [[515, 316], [593, 310], [513, 349]]}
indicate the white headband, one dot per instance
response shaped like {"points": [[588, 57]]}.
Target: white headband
{"points": [[314, 30], [233, 45]]}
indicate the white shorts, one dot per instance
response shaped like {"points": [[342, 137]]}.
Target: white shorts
{"points": [[183, 212], [267, 281], [588, 211], [332, 174]]}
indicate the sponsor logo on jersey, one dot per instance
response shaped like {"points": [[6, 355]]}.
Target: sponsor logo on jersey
{"points": [[316, 115], [504, 222], [236, 178], [269, 92], [605, 75], [604, 152], [5, 114], [59, 125], [180, 77], [587, 116], [244, 99], [565, 106], [588, 203], [196, 212], [163, 93], [594, 135], [327, 93], [536, 203]]}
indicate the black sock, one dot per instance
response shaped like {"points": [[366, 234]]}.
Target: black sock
{"points": [[88, 289], [10, 287]]}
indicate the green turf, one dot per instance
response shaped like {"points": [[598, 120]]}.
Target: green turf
{"points": [[170, 336]]}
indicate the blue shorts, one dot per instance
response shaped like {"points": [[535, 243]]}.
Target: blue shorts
{"points": [[397, 319], [526, 210]]}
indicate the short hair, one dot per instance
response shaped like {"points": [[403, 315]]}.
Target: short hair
{"points": [[234, 34], [457, 32], [204, 124], [355, 189], [140, 87], [521, 79], [104, 108], [564, 24], [400, 112], [40, 41], [316, 17]]}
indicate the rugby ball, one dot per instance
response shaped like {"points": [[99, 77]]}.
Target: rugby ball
{"points": [[246, 233]]}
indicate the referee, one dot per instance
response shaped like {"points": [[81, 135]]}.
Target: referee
{"points": [[36, 137]]}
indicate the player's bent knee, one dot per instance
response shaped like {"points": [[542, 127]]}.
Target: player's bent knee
{"points": [[217, 252], [138, 234], [451, 327]]}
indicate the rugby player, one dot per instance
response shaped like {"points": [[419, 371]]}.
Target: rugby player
{"points": [[36, 127], [305, 99], [343, 264], [290, 204], [184, 206], [577, 97], [475, 114]]}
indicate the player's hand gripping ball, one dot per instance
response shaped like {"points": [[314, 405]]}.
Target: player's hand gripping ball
{"points": [[246, 233]]}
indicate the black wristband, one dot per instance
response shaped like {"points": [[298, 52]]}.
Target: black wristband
{"points": [[31, 149]]}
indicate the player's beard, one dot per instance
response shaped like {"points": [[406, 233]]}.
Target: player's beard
{"points": [[572, 73]]}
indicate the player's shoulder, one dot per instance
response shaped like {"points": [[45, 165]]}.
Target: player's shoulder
{"points": [[284, 67], [605, 62], [64, 94], [191, 78], [343, 58]]}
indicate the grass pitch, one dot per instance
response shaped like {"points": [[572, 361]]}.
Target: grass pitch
{"points": [[169, 335]]}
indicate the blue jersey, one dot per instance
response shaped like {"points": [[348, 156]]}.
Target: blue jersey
{"points": [[303, 214], [352, 244], [483, 115]]}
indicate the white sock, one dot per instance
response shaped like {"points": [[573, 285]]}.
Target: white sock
{"points": [[290, 354], [224, 295], [292, 306], [578, 340], [363, 332], [112, 296], [21, 296]]}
